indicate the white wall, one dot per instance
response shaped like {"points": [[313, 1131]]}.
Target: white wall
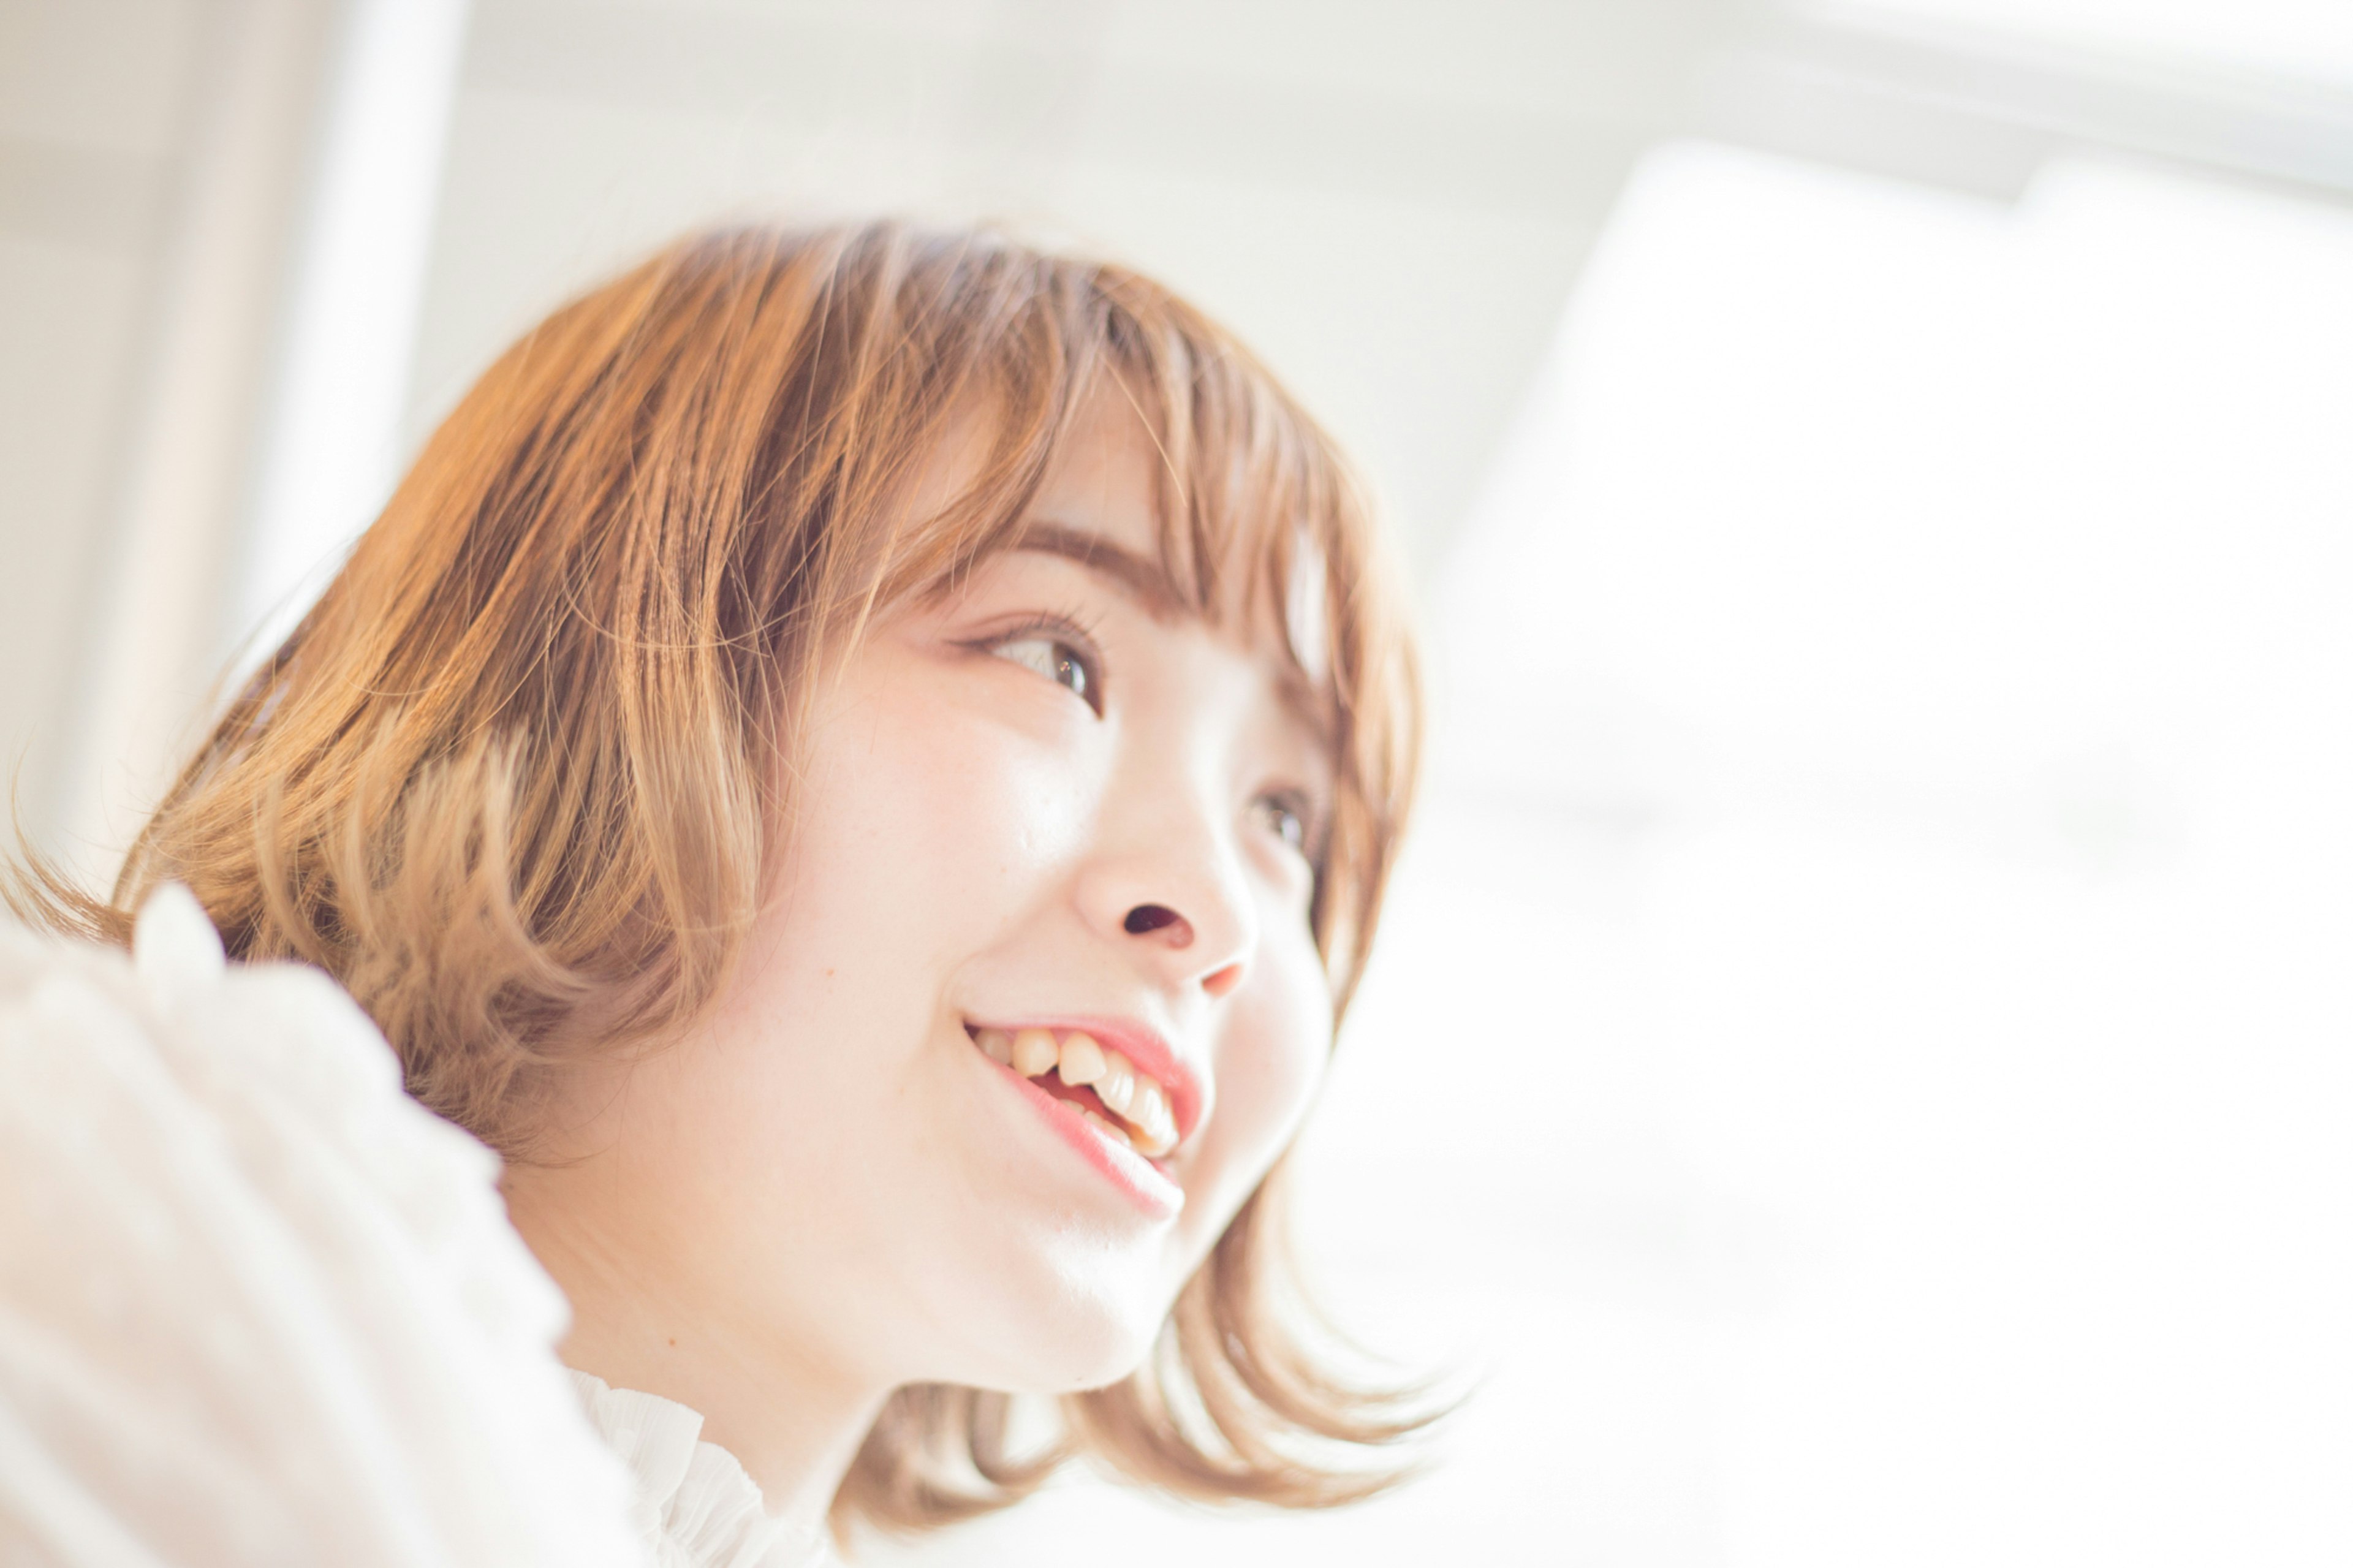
{"points": [[1386, 199], [213, 215], [93, 102]]}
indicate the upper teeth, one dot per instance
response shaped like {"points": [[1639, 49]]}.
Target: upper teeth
{"points": [[1082, 1061], [1033, 1053], [1079, 1059]]}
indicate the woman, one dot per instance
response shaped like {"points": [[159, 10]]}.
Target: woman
{"points": [[864, 763]]}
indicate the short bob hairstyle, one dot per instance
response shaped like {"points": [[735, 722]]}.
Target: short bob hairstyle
{"points": [[522, 777]]}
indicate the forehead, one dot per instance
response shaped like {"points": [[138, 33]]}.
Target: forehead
{"points": [[1110, 497], [1105, 485]]}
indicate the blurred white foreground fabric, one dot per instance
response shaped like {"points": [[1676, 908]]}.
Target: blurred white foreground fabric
{"points": [[257, 1306]]}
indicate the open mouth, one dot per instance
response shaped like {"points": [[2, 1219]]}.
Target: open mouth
{"points": [[1122, 1101]]}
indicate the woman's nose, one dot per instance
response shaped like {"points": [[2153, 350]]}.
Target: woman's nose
{"points": [[1165, 881], [1146, 918], [1176, 933]]}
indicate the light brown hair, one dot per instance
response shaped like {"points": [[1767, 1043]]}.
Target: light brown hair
{"points": [[519, 779]]}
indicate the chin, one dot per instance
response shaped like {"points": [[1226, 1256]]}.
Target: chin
{"points": [[1072, 1338], [1117, 1351]]}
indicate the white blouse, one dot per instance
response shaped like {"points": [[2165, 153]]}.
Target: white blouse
{"points": [[258, 1307], [695, 1506]]}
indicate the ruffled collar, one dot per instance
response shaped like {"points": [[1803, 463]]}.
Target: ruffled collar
{"points": [[695, 1507]]}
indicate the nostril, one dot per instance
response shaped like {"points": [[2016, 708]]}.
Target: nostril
{"points": [[1146, 918]]}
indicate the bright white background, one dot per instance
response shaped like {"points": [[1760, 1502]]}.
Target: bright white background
{"points": [[1860, 1063]]}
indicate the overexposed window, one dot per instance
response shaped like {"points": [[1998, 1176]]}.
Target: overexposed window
{"points": [[1902, 696]]}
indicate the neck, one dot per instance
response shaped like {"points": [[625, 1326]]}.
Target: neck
{"points": [[779, 1404]]}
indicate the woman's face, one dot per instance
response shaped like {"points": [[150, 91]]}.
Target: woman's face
{"points": [[1051, 805]]}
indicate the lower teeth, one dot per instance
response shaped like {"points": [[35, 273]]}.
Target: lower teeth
{"points": [[1115, 1131]]}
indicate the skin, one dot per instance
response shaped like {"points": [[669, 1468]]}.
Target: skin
{"points": [[826, 1191]]}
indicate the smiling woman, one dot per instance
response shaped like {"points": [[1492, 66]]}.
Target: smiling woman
{"points": [[865, 763]]}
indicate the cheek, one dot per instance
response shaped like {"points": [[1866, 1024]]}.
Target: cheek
{"points": [[930, 825]]}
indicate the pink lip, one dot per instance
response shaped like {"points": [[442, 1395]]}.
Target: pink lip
{"points": [[1148, 1186], [1139, 1043]]}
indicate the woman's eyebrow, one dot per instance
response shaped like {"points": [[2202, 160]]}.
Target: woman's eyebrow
{"points": [[1146, 582]]}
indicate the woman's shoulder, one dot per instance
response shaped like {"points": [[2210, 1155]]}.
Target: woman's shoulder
{"points": [[255, 1302]]}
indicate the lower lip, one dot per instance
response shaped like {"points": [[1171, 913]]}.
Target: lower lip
{"points": [[1146, 1185]]}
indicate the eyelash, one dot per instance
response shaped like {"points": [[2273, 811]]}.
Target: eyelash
{"points": [[1068, 632], [1295, 805], [1073, 634]]}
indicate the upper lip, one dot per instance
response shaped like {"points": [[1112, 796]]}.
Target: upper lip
{"points": [[1140, 1042]]}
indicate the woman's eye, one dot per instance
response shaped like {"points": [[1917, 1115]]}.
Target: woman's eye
{"points": [[1287, 819], [1058, 661]]}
